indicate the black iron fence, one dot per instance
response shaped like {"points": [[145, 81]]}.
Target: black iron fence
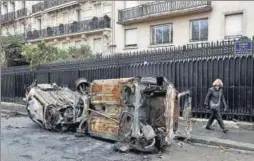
{"points": [[192, 67], [160, 7]]}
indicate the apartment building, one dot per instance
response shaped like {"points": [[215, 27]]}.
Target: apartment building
{"points": [[166, 23], [119, 26], [61, 23]]}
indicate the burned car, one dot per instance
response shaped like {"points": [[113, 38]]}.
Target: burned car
{"points": [[53, 107], [141, 113]]}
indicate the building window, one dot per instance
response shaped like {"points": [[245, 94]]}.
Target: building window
{"points": [[162, 34], [23, 4], [65, 17], [234, 25], [12, 6], [5, 8], [97, 9], [22, 27], [97, 46], [199, 30], [53, 20], [131, 38], [78, 15]]}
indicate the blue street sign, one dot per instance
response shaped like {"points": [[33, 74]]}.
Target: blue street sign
{"points": [[243, 46]]}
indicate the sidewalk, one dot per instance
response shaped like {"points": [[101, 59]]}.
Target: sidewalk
{"points": [[240, 135], [236, 137], [13, 107]]}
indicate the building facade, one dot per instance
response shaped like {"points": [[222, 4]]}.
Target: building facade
{"points": [[119, 26], [61, 23]]}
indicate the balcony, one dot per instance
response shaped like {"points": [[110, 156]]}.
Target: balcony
{"points": [[50, 5], [64, 30], [21, 13], [53, 3], [8, 17], [156, 10], [38, 7]]}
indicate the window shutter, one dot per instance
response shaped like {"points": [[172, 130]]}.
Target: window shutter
{"points": [[130, 36], [97, 44], [234, 24]]}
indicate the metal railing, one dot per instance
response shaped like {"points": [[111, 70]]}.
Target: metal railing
{"points": [[53, 3], [38, 7], [21, 13], [48, 4], [8, 17], [75, 27], [159, 7]]}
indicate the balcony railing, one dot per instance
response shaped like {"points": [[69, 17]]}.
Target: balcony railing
{"points": [[72, 28], [53, 3], [38, 7], [150, 9], [8, 17], [48, 4], [21, 13]]}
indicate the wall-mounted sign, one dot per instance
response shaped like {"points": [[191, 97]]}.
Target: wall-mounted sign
{"points": [[243, 46]]}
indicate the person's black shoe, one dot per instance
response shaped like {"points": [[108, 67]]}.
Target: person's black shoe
{"points": [[225, 131], [209, 128]]}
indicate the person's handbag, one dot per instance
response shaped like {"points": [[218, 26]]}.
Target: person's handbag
{"points": [[215, 106]]}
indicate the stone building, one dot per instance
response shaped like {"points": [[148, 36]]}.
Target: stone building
{"points": [[122, 26]]}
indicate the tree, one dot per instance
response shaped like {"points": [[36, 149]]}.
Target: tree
{"points": [[43, 53], [12, 48], [82, 52]]}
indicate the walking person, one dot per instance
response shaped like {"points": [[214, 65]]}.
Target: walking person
{"points": [[214, 101]]}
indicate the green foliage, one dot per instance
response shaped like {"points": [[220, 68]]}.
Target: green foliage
{"points": [[12, 48], [82, 52], [44, 53], [11, 41]]}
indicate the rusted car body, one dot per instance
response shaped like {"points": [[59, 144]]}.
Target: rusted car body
{"points": [[138, 112]]}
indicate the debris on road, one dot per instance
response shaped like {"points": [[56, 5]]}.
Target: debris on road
{"points": [[140, 113]]}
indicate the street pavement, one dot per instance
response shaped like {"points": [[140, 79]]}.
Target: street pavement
{"points": [[239, 137], [23, 140]]}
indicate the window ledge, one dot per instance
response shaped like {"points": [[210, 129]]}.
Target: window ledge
{"points": [[127, 48], [198, 41], [160, 45]]}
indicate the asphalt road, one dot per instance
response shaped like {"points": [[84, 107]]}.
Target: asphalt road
{"points": [[22, 140]]}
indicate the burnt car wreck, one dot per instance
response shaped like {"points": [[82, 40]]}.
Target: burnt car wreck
{"points": [[140, 113]]}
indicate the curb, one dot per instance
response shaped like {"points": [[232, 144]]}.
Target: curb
{"points": [[13, 112], [10, 104], [12, 108], [218, 142]]}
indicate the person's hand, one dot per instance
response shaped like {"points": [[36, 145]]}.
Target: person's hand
{"points": [[225, 109]]}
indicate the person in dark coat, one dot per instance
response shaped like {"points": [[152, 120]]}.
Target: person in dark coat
{"points": [[214, 101]]}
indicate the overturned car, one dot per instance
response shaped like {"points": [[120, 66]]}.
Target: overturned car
{"points": [[141, 113]]}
